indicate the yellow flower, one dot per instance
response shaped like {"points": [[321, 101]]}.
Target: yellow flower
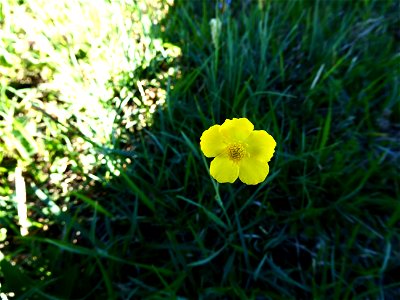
{"points": [[239, 151]]}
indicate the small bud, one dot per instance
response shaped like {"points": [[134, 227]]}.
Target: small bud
{"points": [[215, 25]]}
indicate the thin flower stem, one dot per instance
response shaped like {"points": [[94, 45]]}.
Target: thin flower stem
{"points": [[217, 195], [219, 200]]}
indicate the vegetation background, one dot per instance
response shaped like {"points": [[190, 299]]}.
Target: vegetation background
{"points": [[105, 194]]}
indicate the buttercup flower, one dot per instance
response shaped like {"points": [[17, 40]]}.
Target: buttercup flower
{"points": [[239, 151]]}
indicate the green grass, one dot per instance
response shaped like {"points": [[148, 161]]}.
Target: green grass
{"points": [[322, 78]]}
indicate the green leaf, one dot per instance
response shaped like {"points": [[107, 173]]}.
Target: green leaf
{"points": [[92, 203], [137, 191]]}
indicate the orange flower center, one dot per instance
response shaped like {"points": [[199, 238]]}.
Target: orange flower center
{"points": [[236, 152]]}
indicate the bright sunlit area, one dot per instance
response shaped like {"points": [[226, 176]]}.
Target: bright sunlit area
{"points": [[199, 149], [78, 80]]}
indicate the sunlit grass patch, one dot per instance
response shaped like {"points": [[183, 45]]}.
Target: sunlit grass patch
{"points": [[77, 79], [71, 74], [80, 54]]}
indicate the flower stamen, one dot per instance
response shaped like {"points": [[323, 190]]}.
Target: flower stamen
{"points": [[236, 152]]}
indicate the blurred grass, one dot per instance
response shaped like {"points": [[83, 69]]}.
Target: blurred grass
{"points": [[321, 77]]}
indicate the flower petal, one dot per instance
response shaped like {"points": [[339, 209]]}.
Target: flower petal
{"points": [[253, 171], [223, 169], [212, 141], [261, 145], [236, 129]]}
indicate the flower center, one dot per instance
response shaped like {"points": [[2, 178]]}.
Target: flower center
{"points": [[236, 151]]}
